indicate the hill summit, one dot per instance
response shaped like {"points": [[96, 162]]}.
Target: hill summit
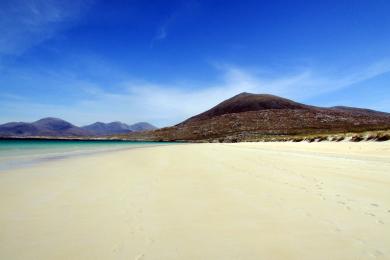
{"points": [[245, 102]]}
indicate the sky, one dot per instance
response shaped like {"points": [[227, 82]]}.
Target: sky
{"points": [[164, 61]]}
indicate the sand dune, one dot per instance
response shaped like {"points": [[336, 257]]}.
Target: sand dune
{"points": [[202, 201]]}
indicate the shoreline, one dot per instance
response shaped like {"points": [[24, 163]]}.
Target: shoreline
{"points": [[22, 162], [379, 135]]}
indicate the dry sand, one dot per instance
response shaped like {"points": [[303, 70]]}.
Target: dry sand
{"points": [[202, 201]]}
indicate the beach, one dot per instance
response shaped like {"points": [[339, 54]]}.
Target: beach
{"points": [[323, 200]]}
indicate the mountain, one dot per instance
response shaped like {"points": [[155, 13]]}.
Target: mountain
{"points": [[249, 116], [100, 128], [44, 127], [359, 110], [142, 126], [112, 128], [245, 102]]}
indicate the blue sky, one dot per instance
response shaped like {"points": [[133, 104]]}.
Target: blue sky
{"points": [[163, 61]]}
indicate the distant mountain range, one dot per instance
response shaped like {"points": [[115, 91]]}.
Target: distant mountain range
{"points": [[244, 117], [247, 117], [100, 128], [55, 127]]}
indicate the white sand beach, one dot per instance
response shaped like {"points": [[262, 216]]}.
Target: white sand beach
{"points": [[202, 201]]}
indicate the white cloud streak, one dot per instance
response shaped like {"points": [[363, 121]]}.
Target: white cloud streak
{"points": [[161, 34], [186, 8], [26, 23]]}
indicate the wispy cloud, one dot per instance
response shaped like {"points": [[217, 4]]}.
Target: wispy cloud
{"points": [[162, 31], [25, 23], [184, 9], [161, 34], [137, 100]]}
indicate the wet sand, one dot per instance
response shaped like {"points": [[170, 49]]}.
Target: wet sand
{"points": [[202, 201]]}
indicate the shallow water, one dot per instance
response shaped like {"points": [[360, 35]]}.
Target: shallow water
{"points": [[19, 153]]}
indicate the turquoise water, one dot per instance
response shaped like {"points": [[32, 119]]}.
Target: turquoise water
{"points": [[18, 153]]}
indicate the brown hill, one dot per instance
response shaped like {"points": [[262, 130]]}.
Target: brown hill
{"points": [[246, 102], [251, 116]]}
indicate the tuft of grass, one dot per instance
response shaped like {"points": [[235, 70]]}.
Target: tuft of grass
{"points": [[357, 138], [296, 140], [383, 137]]}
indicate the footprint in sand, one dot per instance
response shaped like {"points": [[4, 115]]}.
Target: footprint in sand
{"points": [[138, 257], [336, 229], [360, 241], [376, 253], [150, 241], [333, 227], [374, 204], [322, 196]]}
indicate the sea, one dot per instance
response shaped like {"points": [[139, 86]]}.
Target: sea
{"points": [[22, 153]]}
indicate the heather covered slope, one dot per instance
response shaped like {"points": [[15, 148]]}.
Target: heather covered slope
{"points": [[249, 116]]}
